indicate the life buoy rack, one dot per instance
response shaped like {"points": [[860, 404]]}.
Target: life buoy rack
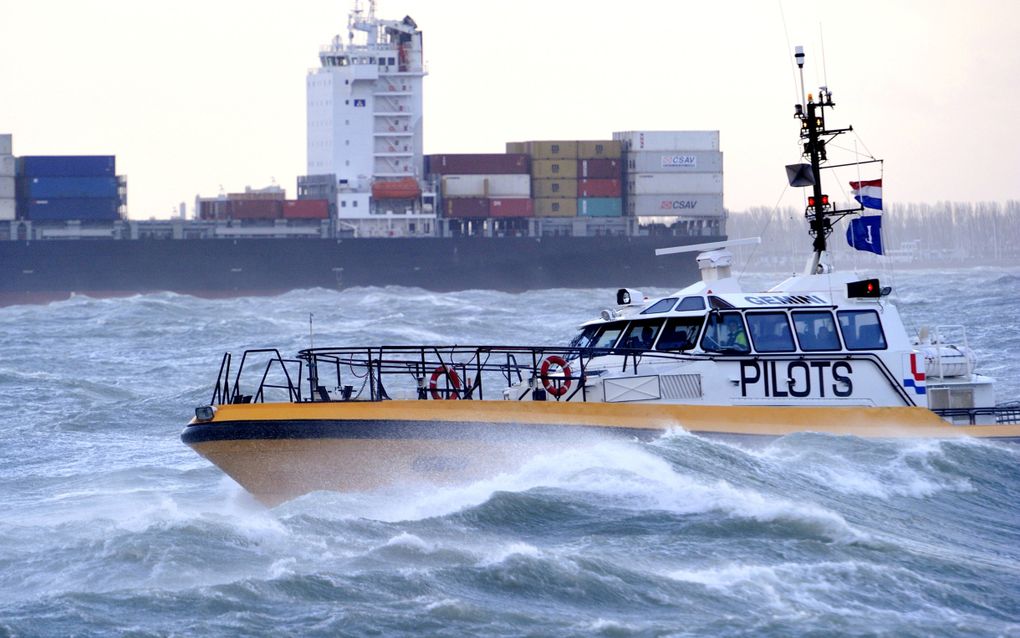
{"points": [[551, 386], [452, 391]]}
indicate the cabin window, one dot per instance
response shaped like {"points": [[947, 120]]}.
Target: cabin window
{"points": [[680, 333], [608, 334], [586, 337], [861, 330], [662, 305], [641, 334], [815, 331], [770, 331], [690, 304], [725, 333], [717, 303]]}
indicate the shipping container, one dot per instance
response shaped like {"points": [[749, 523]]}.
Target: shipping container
{"points": [[8, 167], [517, 147], [477, 164], [554, 169], [214, 209], [548, 150], [599, 168], [669, 183], [306, 209], [555, 207], [466, 207], [8, 209], [92, 209], [67, 165], [554, 187], [674, 162], [511, 207], [6, 144], [403, 188], [599, 188], [599, 149], [687, 205], [256, 209], [275, 194], [7, 188], [514, 185], [668, 140], [62, 187], [600, 206]]}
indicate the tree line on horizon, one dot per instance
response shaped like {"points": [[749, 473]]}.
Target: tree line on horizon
{"points": [[946, 232]]}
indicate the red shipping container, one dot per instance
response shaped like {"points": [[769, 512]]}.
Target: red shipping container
{"points": [[256, 209], [306, 209], [512, 207], [599, 169], [478, 164], [472, 207], [598, 188]]}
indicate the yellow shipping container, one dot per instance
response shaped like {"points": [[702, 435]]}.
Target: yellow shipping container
{"points": [[516, 147], [555, 207], [554, 188], [600, 149], [552, 150], [554, 169]]}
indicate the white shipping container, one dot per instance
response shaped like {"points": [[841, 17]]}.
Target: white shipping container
{"points": [[8, 167], [487, 185], [674, 162], [464, 185], [669, 183], [509, 185], [6, 145], [668, 140], [6, 188], [686, 205], [7, 209]]}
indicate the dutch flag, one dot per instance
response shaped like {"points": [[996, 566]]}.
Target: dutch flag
{"points": [[868, 193]]}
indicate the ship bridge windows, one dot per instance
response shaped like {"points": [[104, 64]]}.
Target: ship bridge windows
{"points": [[586, 337], [862, 330], [680, 333], [725, 333], [641, 334], [770, 331], [608, 334], [717, 303], [662, 305], [816, 330], [691, 304]]}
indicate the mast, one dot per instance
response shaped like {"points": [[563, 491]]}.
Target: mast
{"points": [[819, 212]]}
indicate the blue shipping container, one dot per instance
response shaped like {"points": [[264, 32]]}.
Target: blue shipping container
{"points": [[93, 209], [67, 165], [67, 187], [600, 206]]}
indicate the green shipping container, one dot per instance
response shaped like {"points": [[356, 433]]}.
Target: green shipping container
{"points": [[600, 206]]}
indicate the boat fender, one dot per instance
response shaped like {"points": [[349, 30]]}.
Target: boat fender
{"points": [[553, 388], [453, 382]]}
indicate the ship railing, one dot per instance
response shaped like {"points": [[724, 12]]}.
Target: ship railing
{"points": [[1000, 415], [458, 372], [276, 375]]}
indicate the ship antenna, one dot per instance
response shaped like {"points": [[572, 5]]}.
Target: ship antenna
{"points": [[311, 334]]}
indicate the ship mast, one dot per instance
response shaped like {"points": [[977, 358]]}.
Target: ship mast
{"points": [[819, 212]]}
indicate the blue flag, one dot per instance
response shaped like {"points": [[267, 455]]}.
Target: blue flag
{"points": [[865, 233]]}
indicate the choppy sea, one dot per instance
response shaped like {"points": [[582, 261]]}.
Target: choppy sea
{"points": [[110, 526]]}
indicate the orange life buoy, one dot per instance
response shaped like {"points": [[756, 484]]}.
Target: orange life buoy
{"points": [[453, 382], [553, 388]]}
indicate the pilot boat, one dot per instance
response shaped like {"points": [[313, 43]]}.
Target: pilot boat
{"points": [[822, 351]]}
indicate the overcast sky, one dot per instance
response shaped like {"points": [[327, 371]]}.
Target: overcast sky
{"points": [[194, 95]]}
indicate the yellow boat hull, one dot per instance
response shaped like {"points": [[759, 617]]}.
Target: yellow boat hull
{"points": [[278, 451]]}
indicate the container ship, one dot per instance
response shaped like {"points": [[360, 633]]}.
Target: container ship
{"points": [[373, 209]]}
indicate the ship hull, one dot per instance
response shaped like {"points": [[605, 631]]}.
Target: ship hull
{"points": [[39, 271], [281, 451]]}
